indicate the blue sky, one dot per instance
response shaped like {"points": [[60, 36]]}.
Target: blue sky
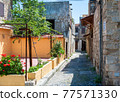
{"points": [[79, 8]]}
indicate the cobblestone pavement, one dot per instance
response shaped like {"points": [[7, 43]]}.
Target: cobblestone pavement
{"points": [[76, 73]]}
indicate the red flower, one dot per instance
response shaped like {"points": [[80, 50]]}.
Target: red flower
{"points": [[4, 55], [3, 70], [21, 61], [0, 62], [12, 55], [9, 61], [24, 63], [19, 55], [4, 65], [22, 70], [8, 64]]}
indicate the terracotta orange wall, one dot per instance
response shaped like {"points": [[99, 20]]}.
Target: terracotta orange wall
{"points": [[5, 41], [42, 47]]}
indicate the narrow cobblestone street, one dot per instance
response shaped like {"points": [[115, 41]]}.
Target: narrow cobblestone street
{"points": [[76, 73]]}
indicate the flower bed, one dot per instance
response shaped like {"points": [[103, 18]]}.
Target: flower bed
{"points": [[54, 62], [61, 58], [41, 72], [12, 80], [11, 71]]}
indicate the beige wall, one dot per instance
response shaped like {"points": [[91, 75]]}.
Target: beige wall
{"points": [[5, 41], [42, 47]]}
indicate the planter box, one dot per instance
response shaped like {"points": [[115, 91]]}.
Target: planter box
{"points": [[12, 80], [41, 72], [61, 58], [35, 75], [46, 68], [54, 62]]}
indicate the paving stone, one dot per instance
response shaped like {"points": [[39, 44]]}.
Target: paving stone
{"points": [[76, 73]]}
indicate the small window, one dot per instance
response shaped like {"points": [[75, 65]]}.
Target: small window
{"points": [[52, 21], [1, 9]]}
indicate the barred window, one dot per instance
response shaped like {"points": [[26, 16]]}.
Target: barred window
{"points": [[1, 9]]}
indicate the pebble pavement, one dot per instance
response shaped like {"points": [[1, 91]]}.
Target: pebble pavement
{"points": [[76, 73]]}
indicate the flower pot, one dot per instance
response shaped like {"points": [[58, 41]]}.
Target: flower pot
{"points": [[54, 62], [41, 72], [35, 75], [12, 80]]}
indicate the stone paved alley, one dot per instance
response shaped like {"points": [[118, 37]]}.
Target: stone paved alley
{"points": [[76, 73]]}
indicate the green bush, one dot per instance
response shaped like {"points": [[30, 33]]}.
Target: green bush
{"points": [[52, 58], [92, 69], [10, 65], [36, 68], [57, 49], [45, 62], [98, 79]]}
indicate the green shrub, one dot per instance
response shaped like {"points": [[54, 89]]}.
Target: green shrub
{"points": [[45, 62], [92, 69], [36, 68], [10, 65], [87, 56], [98, 79], [52, 58], [57, 49]]}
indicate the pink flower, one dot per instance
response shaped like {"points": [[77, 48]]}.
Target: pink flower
{"points": [[23, 70], [4, 55], [12, 55], [5, 65], [8, 64], [9, 61]]}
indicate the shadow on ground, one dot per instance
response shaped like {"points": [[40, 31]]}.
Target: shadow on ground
{"points": [[80, 67]]}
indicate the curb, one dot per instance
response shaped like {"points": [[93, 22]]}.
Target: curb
{"points": [[47, 77]]}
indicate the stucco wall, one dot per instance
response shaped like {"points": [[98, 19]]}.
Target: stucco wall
{"points": [[42, 47], [5, 41]]}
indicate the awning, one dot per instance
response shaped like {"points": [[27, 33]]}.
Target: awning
{"points": [[87, 20]]}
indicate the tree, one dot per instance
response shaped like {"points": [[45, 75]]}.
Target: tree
{"points": [[32, 13]]}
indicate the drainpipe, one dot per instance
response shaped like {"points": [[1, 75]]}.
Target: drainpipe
{"points": [[100, 41]]}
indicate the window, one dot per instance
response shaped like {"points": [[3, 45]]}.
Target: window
{"points": [[76, 29], [1, 9], [52, 21], [83, 30]]}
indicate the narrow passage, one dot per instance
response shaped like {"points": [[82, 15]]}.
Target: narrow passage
{"points": [[78, 72]]}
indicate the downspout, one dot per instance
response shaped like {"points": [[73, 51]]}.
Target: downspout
{"points": [[101, 39]]}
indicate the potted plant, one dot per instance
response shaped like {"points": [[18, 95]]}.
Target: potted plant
{"points": [[39, 71], [57, 51], [11, 72]]}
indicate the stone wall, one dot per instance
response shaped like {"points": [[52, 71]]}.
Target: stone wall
{"points": [[7, 7], [59, 11], [111, 41], [96, 38]]}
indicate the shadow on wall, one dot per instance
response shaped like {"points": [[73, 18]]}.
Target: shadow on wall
{"points": [[82, 74]]}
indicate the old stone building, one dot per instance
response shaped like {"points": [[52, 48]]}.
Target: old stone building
{"points": [[106, 40], [5, 6], [60, 15]]}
